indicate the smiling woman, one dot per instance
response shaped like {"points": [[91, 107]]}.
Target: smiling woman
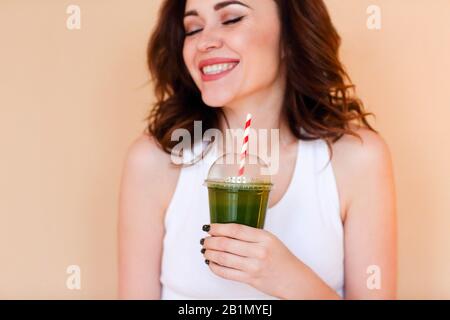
{"points": [[216, 61], [317, 97]]}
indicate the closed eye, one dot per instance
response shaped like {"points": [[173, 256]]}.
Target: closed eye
{"points": [[233, 20], [192, 32], [228, 22]]}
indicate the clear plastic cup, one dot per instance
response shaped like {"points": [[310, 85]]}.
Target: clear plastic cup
{"points": [[238, 199]]}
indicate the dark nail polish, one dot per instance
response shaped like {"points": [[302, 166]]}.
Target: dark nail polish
{"points": [[203, 250], [207, 261], [202, 241], [206, 227]]}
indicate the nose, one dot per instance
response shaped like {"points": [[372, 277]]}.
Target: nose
{"points": [[209, 40]]}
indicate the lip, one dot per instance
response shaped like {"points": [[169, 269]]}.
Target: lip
{"points": [[208, 62]]}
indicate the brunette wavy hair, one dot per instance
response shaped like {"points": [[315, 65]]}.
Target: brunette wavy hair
{"points": [[319, 95]]}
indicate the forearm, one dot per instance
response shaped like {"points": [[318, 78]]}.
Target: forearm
{"points": [[302, 283]]}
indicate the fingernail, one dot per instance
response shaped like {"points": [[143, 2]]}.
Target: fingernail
{"points": [[202, 241], [203, 250], [207, 261], [206, 227]]}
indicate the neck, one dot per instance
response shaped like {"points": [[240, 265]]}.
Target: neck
{"points": [[265, 106]]}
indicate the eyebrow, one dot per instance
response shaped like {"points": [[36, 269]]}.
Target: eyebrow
{"points": [[217, 7]]}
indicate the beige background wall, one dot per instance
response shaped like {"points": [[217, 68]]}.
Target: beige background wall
{"points": [[71, 102]]}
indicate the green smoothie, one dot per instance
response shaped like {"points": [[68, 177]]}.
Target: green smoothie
{"points": [[243, 203]]}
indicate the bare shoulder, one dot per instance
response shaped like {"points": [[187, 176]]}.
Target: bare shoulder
{"points": [[367, 151], [144, 151], [358, 162], [150, 168]]}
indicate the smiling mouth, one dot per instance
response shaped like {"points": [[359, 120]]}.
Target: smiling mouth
{"points": [[218, 69]]}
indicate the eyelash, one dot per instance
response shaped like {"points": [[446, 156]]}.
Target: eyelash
{"points": [[232, 21]]}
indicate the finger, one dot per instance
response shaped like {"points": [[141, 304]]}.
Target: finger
{"points": [[230, 245], [228, 260], [228, 273], [237, 231]]}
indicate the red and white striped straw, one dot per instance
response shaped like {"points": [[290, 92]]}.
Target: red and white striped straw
{"points": [[244, 149]]}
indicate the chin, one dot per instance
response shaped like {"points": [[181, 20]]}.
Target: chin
{"points": [[216, 100]]}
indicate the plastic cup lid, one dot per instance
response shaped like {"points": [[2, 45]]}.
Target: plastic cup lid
{"points": [[226, 169]]}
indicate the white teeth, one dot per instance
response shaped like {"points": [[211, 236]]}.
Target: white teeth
{"points": [[218, 68]]}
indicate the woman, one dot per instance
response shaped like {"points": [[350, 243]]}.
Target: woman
{"points": [[329, 234]]}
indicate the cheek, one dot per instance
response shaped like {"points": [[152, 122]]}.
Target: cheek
{"points": [[188, 57], [259, 50], [265, 48]]}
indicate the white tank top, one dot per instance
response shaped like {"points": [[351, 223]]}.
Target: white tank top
{"points": [[306, 219]]}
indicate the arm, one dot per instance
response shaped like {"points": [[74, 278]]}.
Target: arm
{"points": [[370, 223], [146, 183]]}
